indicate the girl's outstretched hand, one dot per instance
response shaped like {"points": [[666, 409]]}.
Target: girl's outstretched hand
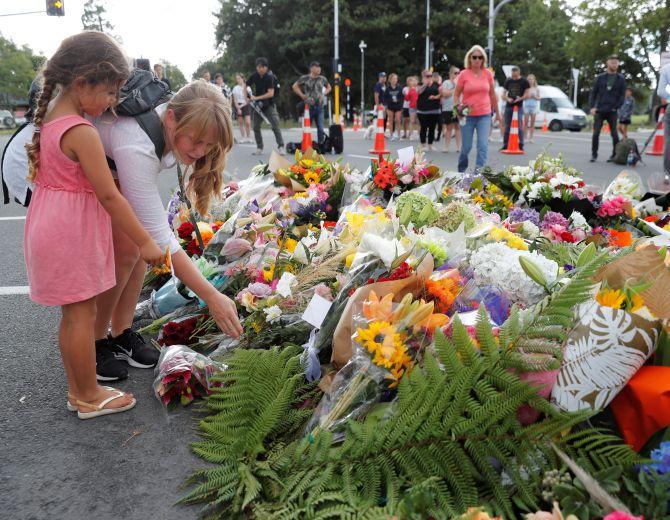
{"points": [[151, 253], [224, 312]]}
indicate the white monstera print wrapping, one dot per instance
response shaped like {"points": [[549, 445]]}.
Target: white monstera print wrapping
{"points": [[601, 354]]}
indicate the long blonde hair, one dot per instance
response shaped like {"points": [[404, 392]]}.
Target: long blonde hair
{"points": [[466, 62], [90, 55], [198, 107], [532, 80]]}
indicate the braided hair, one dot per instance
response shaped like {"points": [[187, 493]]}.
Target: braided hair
{"points": [[90, 55]]}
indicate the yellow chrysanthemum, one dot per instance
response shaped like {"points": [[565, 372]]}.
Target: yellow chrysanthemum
{"points": [[611, 298]]}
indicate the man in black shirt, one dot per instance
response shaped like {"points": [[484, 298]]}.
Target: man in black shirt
{"points": [[158, 70], [517, 89], [606, 97], [262, 83]]}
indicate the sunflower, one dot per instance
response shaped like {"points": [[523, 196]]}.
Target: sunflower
{"points": [[312, 178], [611, 298], [636, 302]]}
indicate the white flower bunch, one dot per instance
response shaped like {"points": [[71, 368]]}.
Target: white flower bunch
{"points": [[577, 220], [498, 265], [520, 174], [624, 185]]}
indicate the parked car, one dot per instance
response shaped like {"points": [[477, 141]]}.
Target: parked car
{"points": [[556, 106], [7, 119]]}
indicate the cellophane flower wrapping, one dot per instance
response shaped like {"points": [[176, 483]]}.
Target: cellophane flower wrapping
{"points": [[183, 375]]}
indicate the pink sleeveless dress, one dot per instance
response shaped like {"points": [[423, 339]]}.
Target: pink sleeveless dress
{"points": [[68, 234]]}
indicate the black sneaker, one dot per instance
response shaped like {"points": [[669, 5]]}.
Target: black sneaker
{"points": [[131, 347], [107, 367], [611, 158], [594, 158]]}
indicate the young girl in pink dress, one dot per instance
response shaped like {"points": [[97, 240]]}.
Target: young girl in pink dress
{"points": [[68, 233]]}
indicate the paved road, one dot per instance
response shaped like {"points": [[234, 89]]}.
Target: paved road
{"points": [[130, 466]]}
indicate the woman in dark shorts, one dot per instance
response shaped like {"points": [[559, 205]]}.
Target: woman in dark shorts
{"points": [[242, 108], [451, 123], [393, 99]]}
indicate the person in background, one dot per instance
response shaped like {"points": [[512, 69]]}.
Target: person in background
{"points": [[218, 81], [663, 92], [606, 97], [313, 88], [516, 91], [242, 109], [158, 70], [625, 113], [437, 80], [531, 106], [263, 84], [405, 110], [206, 76], [393, 100], [379, 92], [476, 91], [451, 124], [411, 95], [428, 109]]}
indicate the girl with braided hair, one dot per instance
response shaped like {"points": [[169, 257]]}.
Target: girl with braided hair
{"points": [[68, 233]]}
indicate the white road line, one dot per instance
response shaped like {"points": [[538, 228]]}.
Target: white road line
{"points": [[16, 289], [360, 156], [13, 218]]}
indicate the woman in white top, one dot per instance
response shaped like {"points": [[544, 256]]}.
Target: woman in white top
{"points": [[198, 133], [531, 107], [451, 124], [242, 108]]}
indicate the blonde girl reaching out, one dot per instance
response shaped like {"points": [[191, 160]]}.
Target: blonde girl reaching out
{"points": [[68, 233]]}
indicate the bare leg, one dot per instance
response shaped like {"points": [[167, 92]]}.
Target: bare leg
{"points": [[124, 312], [247, 124], [457, 134], [126, 256], [398, 120], [405, 126], [447, 137], [77, 349], [533, 118]]}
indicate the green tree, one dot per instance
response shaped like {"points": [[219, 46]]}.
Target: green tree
{"points": [[173, 74], [18, 67], [95, 18]]}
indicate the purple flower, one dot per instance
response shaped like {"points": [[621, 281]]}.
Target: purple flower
{"points": [[260, 290], [551, 218], [661, 458], [522, 215]]}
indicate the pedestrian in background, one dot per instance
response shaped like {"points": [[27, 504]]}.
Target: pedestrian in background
{"points": [[516, 91], [206, 76], [218, 81], [606, 97], [451, 124], [393, 100], [313, 88], [663, 92], [531, 107], [241, 95], [475, 91], [437, 79], [158, 70], [379, 90], [262, 83], [411, 94], [428, 109], [625, 113]]}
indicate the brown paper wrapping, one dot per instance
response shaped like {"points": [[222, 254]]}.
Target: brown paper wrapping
{"points": [[643, 265], [342, 348]]}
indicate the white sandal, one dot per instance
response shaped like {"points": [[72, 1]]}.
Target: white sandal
{"points": [[72, 408], [99, 409]]}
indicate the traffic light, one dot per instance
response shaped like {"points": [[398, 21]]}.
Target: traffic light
{"points": [[55, 7]]}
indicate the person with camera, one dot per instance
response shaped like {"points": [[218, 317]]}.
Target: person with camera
{"points": [[606, 98], [263, 84], [313, 88]]}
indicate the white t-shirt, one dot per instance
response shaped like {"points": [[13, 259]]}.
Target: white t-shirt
{"points": [[137, 170], [15, 164], [405, 103], [238, 95]]}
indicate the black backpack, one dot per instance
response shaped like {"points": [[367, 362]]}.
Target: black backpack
{"points": [[623, 149], [138, 98]]}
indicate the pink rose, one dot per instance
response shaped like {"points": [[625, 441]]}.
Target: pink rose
{"points": [[235, 248], [324, 291], [260, 290]]}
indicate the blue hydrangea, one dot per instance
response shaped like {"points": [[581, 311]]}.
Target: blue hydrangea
{"points": [[661, 457]]}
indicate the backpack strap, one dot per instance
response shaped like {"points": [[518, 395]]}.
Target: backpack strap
{"points": [[150, 123], [5, 189]]}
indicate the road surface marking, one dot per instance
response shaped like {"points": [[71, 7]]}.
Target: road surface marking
{"points": [[13, 218], [15, 289], [360, 156]]}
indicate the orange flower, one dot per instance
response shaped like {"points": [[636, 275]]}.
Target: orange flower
{"points": [[376, 309], [444, 291]]}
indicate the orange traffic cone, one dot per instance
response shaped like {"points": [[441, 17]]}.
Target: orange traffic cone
{"points": [[545, 128], [380, 145], [357, 124], [306, 131], [659, 141], [513, 142]]}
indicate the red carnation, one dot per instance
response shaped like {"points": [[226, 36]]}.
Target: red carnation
{"points": [[193, 249], [185, 231], [567, 237]]}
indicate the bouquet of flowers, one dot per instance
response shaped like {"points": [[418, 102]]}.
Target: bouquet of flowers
{"points": [[462, 110], [182, 375], [309, 169]]}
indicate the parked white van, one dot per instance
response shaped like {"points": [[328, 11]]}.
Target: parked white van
{"points": [[558, 109]]}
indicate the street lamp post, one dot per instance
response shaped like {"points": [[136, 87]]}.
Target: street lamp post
{"points": [[493, 13], [362, 46], [427, 34]]}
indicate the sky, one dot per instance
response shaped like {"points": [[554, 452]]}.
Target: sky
{"points": [[181, 31]]}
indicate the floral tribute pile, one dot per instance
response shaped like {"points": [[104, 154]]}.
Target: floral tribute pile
{"points": [[423, 345]]}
